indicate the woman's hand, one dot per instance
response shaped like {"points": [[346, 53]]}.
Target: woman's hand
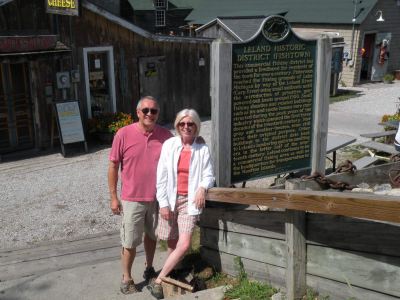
{"points": [[200, 198], [165, 213]]}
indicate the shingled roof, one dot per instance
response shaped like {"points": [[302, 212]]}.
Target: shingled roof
{"points": [[299, 11]]}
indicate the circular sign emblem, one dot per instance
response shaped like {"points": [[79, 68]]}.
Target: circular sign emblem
{"points": [[276, 29]]}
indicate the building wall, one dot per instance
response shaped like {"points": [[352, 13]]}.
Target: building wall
{"points": [[391, 14], [217, 31], [187, 83], [345, 31]]}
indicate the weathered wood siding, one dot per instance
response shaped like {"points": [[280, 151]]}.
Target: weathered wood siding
{"points": [[187, 83], [346, 257], [344, 31], [391, 14]]}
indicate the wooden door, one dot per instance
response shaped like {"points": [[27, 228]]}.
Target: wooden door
{"points": [[152, 78], [16, 124]]}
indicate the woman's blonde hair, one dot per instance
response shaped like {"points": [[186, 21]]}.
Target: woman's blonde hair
{"points": [[187, 112]]}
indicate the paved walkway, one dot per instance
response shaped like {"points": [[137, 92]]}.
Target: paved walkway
{"points": [[86, 268], [363, 113]]}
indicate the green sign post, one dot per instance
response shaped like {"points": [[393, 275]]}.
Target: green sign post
{"points": [[272, 102]]}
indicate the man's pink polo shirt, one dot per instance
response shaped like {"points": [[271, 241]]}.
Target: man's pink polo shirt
{"points": [[138, 155]]}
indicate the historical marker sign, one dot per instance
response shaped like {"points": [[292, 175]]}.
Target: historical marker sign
{"points": [[272, 102]]}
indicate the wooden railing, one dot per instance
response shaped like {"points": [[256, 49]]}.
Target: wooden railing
{"points": [[297, 202], [374, 207]]}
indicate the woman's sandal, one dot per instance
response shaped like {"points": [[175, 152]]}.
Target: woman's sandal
{"points": [[156, 290]]}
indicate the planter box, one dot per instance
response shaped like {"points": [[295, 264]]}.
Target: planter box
{"points": [[397, 74]]}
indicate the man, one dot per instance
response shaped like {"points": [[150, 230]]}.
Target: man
{"points": [[136, 148]]}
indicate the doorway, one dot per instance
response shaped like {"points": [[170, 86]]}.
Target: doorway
{"points": [[16, 122], [367, 52], [99, 80]]}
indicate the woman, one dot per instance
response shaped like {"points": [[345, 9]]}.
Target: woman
{"points": [[184, 174]]}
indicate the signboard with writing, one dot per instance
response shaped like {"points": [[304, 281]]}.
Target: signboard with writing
{"points": [[272, 102], [70, 122], [27, 43], [63, 7]]}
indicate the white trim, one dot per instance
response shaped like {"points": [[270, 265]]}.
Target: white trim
{"points": [[111, 75], [220, 22]]}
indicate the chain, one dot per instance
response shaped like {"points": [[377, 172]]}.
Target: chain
{"points": [[394, 176], [329, 183], [347, 166]]}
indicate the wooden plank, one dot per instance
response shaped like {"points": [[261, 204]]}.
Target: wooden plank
{"points": [[365, 161], [374, 135], [380, 147], [321, 111], [261, 223], [375, 272], [372, 175], [10, 256], [338, 290], [270, 251], [50, 256], [273, 275], [353, 234], [373, 207], [221, 86], [296, 254], [54, 263]]}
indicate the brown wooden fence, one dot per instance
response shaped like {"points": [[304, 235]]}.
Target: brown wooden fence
{"points": [[341, 244]]}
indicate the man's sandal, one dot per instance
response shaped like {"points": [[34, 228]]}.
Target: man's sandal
{"points": [[128, 287]]}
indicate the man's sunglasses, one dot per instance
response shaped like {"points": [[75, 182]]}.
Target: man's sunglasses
{"points": [[189, 124], [152, 111]]}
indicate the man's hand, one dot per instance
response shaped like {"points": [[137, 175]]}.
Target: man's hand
{"points": [[165, 213], [116, 206], [200, 198]]}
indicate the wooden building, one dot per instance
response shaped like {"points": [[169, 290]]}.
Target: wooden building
{"points": [[111, 61], [362, 24]]}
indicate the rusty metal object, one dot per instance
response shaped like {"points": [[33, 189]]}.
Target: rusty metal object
{"points": [[394, 176], [329, 183], [347, 166]]}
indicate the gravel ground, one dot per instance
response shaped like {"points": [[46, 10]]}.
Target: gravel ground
{"points": [[53, 198]]}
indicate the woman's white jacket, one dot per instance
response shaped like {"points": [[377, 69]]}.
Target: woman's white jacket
{"points": [[200, 173]]}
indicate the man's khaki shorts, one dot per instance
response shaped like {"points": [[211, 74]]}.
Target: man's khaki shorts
{"points": [[138, 218]]}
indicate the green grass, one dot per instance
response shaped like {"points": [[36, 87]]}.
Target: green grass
{"points": [[246, 289], [343, 95], [313, 295]]}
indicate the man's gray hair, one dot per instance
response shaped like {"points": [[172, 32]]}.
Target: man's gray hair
{"points": [[188, 112], [139, 105]]}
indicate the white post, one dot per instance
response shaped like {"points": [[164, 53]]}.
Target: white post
{"points": [[221, 91], [321, 110]]}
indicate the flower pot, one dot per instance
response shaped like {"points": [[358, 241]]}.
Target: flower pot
{"points": [[397, 74], [105, 137]]}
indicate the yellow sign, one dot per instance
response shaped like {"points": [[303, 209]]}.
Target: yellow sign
{"points": [[62, 3], [63, 7]]}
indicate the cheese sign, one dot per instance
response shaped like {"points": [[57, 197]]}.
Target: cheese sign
{"points": [[63, 7]]}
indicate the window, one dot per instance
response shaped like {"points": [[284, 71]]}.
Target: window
{"points": [[160, 18], [160, 3]]}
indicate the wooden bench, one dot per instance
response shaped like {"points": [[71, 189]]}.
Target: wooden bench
{"points": [[380, 147], [365, 161], [374, 135]]}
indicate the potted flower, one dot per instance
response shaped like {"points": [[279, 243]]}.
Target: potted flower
{"points": [[388, 78], [105, 125]]}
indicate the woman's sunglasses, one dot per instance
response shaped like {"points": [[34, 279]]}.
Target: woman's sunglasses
{"points": [[152, 111], [189, 124]]}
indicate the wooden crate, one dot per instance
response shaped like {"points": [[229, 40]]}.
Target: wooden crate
{"points": [[173, 288]]}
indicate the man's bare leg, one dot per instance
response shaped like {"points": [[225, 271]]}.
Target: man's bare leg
{"points": [[149, 249], [127, 258]]}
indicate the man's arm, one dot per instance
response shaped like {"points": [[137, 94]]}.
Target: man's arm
{"points": [[112, 187]]}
